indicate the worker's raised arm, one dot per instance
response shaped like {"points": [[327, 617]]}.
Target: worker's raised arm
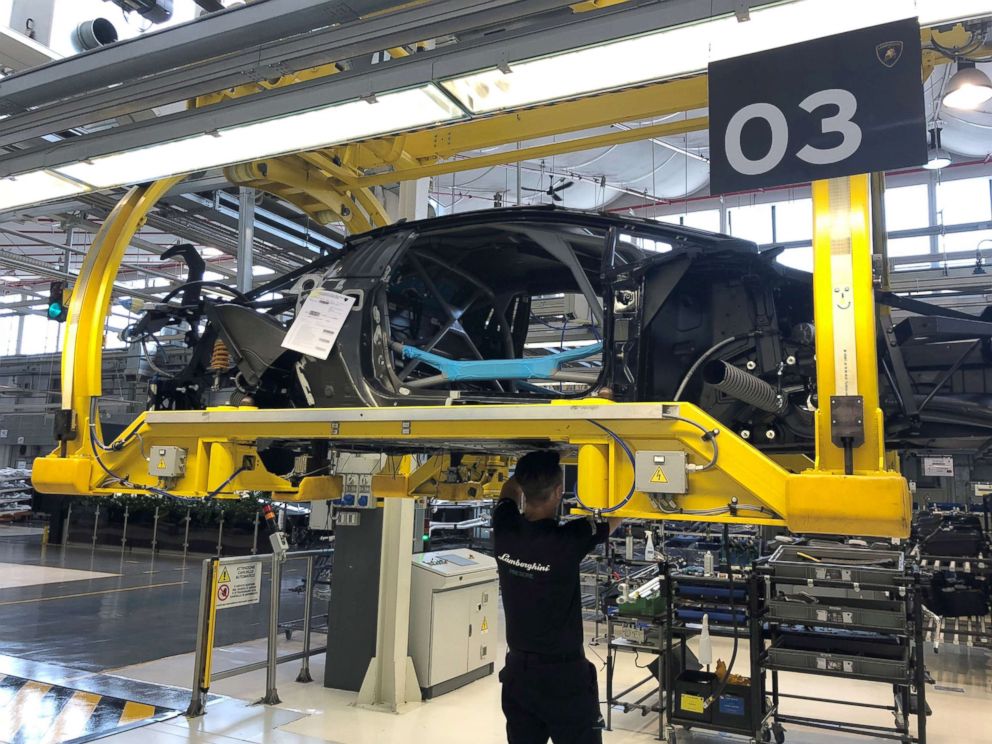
{"points": [[511, 490]]}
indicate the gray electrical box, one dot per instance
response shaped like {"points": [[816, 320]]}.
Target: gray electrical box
{"points": [[454, 610], [660, 472], [167, 462]]}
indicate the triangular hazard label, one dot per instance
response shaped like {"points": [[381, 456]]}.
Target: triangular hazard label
{"points": [[485, 625], [224, 576], [659, 476]]}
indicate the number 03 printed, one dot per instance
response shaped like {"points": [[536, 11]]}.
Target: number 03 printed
{"points": [[783, 116]]}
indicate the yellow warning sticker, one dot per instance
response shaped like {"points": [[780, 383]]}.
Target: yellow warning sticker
{"points": [[485, 625], [659, 475], [225, 577], [161, 464], [691, 703]]}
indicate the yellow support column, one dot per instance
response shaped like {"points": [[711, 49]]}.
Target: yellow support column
{"points": [[846, 345]]}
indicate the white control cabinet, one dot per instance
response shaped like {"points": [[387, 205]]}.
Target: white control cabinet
{"points": [[454, 607]]}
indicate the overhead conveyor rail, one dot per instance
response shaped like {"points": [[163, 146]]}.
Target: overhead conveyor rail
{"points": [[61, 108]]}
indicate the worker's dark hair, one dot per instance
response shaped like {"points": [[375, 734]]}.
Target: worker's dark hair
{"points": [[538, 474]]}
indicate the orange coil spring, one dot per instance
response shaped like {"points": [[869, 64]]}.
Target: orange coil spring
{"points": [[220, 359]]}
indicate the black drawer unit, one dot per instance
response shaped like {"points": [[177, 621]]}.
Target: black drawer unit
{"points": [[841, 611]]}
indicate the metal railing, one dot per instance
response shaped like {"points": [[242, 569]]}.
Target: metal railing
{"points": [[203, 674]]}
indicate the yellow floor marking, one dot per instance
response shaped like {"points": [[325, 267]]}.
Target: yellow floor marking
{"points": [[92, 594], [73, 719], [24, 706], [136, 712]]}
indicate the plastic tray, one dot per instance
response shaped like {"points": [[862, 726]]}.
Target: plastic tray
{"points": [[840, 564], [783, 657], [873, 614]]}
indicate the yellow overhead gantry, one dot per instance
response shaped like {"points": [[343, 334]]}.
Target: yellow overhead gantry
{"points": [[849, 490]]}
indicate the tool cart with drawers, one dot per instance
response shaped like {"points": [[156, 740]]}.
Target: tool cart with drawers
{"points": [[855, 613]]}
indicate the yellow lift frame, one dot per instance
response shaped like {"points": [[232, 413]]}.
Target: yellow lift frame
{"points": [[850, 489]]}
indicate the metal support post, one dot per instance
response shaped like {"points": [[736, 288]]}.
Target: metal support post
{"points": [[920, 669], [124, 532], [254, 537], [155, 531], [96, 524], [391, 681], [413, 199], [849, 435], [304, 675], [220, 534], [271, 695], [65, 527], [204, 641], [186, 534], [246, 237]]}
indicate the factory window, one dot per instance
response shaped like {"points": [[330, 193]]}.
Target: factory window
{"points": [[40, 335], [647, 244], [706, 219], [797, 258], [8, 335], [907, 207], [964, 241], [906, 247], [964, 201], [752, 222], [918, 246], [115, 324], [793, 220]]}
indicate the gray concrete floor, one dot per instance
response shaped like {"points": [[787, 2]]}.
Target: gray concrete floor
{"points": [[138, 609]]}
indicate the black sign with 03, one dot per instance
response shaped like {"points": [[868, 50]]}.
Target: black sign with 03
{"points": [[836, 106]]}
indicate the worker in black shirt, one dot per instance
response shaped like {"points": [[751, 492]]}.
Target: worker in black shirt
{"points": [[549, 689]]}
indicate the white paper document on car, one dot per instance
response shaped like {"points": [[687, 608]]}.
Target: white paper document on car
{"points": [[318, 323]]}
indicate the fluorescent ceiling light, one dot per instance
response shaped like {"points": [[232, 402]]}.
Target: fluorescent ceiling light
{"points": [[937, 156], [933, 12], [342, 122], [683, 50], [34, 187]]}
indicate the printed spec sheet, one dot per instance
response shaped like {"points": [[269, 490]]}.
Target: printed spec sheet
{"points": [[318, 323]]}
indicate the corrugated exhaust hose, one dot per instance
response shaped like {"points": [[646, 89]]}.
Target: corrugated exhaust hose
{"points": [[744, 386]]}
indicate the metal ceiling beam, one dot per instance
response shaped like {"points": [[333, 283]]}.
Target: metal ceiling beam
{"points": [[62, 248], [416, 69], [935, 280], [224, 212], [537, 152], [40, 268], [210, 54], [213, 36]]}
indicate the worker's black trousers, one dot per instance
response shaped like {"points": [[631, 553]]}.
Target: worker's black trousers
{"points": [[550, 698]]}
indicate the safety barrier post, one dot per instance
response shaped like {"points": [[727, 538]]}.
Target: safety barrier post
{"points": [[96, 524], [124, 531], [203, 675], [220, 535], [65, 526], [271, 695], [206, 622], [304, 675], [254, 537], [186, 535]]}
